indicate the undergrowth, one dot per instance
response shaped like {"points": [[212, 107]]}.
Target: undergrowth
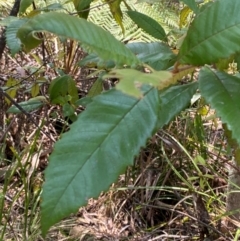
{"points": [[174, 191]]}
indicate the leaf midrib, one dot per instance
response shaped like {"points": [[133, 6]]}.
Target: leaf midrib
{"points": [[208, 39], [97, 149]]}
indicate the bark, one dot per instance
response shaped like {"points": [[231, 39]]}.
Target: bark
{"points": [[14, 12]]}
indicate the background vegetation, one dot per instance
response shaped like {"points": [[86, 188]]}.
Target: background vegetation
{"points": [[127, 116]]}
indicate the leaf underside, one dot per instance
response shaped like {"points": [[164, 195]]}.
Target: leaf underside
{"points": [[214, 34], [222, 90], [131, 80], [158, 55], [82, 7], [97, 149], [11, 35], [93, 37]]}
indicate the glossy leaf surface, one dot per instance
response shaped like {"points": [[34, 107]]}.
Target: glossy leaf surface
{"points": [[148, 24]]}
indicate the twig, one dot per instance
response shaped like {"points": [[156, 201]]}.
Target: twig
{"points": [[24, 112]]}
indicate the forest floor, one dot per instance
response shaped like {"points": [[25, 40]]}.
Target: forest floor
{"points": [[176, 189]]}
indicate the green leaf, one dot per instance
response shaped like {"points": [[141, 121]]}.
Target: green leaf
{"points": [[11, 87], [92, 36], [213, 34], [84, 101], [92, 60], [237, 60], [184, 16], [51, 7], [148, 24], [148, 1], [13, 42], [68, 110], [30, 105], [222, 90], [12, 92], [131, 80], [96, 88], [24, 4], [116, 11], [81, 4], [62, 87], [158, 55], [90, 157], [82, 7], [35, 89], [174, 100], [223, 64], [191, 4], [7, 20]]}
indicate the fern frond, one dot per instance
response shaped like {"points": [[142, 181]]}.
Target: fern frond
{"points": [[165, 16]]}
